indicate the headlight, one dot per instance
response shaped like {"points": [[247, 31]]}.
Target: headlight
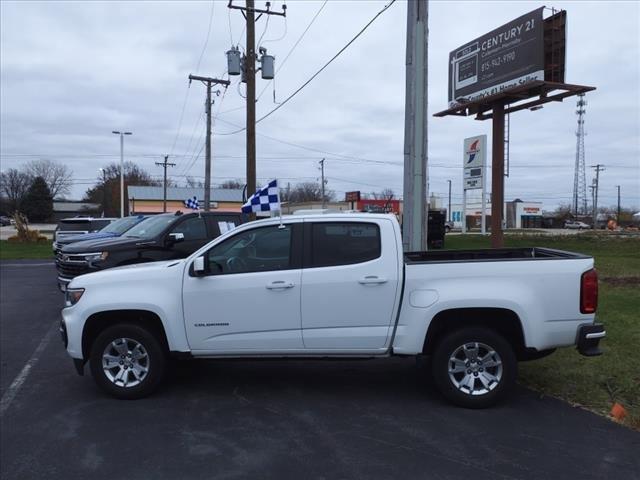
{"points": [[96, 257], [72, 296]]}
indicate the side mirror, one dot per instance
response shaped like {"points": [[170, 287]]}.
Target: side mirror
{"points": [[175, 238], [199, 266]]}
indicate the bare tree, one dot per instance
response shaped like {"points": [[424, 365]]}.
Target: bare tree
{"points": [[57, 176], [306, 192], [14, 185], [232, 185], [193, 183], [106, 192], [385, 194]]}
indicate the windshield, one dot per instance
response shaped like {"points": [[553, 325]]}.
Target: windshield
{"points": [[151, 227], [122, 225]]}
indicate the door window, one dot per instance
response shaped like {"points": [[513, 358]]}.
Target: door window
{"points": [[342, 243], [192, 228], [258, 250]]}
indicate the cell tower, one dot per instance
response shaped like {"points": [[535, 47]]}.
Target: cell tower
{"points": [[579, 176]]}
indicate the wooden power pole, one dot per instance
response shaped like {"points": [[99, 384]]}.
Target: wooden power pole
{"points": [[249, 11], [165, 164], [208, 81], [250, 66]]}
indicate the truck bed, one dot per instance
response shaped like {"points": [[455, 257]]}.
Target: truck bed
{"points": [[489, 255]]}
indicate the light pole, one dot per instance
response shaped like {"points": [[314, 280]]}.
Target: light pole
{"points": [[104, 189], [449, 209], [122, 134]]}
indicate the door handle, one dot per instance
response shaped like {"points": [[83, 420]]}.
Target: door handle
{"points": [[279, 284], [372, 280]]}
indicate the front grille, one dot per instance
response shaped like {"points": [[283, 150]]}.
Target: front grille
{"points": [[69, 269]]}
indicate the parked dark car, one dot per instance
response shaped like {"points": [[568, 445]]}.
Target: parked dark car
{"points": [[69, 227], [114, 229], [161, 237], [4, 221]]}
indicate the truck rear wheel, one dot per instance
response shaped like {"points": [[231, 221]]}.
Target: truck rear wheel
{"points": [[474, 367], [127, 361]]}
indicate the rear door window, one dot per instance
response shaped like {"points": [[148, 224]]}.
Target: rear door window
{"points": [[192, 228], [343, 243]]}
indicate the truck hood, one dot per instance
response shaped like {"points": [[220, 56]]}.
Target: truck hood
{"points": [[105, 244], [128, 274], [64, 240]]}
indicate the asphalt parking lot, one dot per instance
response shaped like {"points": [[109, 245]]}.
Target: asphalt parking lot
{"points": [[271, 419]]}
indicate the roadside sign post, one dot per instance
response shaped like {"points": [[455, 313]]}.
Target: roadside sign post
{"points": [[474, 167]]}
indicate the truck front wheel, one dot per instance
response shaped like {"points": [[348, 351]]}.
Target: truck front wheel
{"points": [[127, 361], [474, 367]]}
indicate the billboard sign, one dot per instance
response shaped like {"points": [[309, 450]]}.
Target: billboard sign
{"points": [[508, 56], [352, 196], [474, 161]]}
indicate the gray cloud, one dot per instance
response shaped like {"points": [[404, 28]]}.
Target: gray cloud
{"points": [[73, 71]]}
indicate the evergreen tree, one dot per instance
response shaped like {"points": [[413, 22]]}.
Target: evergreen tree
{"points": [[38, 202]]}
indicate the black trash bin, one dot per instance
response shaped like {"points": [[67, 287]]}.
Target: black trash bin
{"points": [[435, 229]]}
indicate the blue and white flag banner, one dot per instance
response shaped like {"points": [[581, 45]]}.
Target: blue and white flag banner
{"points": [[266, 199], [192, 203]]}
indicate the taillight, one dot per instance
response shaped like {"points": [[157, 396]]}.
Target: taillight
{"points": [[589, 291]]}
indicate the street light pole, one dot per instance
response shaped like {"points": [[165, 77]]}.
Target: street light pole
{"points": [[104, 190], [122, 134], [449, 209]]}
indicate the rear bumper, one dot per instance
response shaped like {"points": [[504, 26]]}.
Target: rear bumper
{"points": [[589, 337]]}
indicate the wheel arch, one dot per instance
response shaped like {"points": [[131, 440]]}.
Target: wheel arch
{"points": [[98, 322], [502, 320]]}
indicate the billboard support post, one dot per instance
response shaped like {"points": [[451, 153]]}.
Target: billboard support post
{"points": [[484, 208], [497, 176]]}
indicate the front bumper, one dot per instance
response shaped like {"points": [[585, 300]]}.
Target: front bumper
{"points": [[72, 350], [589, 337]]}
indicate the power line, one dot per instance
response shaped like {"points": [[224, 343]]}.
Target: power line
{"points": [[294, 46], [206, 41], [186, 96], [286, 100]]}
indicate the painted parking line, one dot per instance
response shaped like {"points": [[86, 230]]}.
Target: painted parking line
{"points": [[17, 383]]}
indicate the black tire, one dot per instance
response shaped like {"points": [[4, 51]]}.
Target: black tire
{"points": [[152, 357], [504, 374]]}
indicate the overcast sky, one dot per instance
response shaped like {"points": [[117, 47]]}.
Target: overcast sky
{"points": [[71, 72]]}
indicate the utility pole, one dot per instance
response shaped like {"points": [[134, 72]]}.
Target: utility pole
{"points": [[324, 203], [208, 81], [618, 215], [250, 66], [598, 168], [414, 231], [449, 209], [249, 11], [165, 164]]}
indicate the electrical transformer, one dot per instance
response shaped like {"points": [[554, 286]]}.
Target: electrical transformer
{"points": [[267, 67], [233, 61]]}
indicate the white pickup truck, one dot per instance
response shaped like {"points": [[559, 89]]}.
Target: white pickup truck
{"points": [[334, 285]]}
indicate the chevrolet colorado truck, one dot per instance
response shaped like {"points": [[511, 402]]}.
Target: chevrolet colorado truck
{"points": [[334, 286]]}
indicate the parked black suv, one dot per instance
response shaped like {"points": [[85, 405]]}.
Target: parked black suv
{"points": [[162, 237]]}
